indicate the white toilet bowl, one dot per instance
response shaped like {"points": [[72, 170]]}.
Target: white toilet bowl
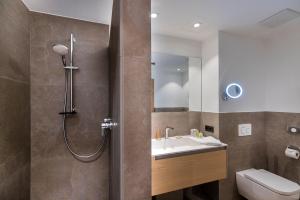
{"points": [[263, 185]]}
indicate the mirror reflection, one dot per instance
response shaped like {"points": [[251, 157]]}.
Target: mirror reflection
{"points": [[176, 82], [171, 77]]}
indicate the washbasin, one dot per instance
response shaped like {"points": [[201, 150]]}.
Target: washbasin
{"points": [[181, 144], [186, 161]]}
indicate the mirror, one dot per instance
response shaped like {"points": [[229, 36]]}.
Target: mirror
{"points": [[170, 74], [175, 79], [233, 91]]}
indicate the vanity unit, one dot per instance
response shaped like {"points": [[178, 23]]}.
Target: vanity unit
{"points": [[182, 162]]}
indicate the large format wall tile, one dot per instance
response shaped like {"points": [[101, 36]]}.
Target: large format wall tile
{"points": [[14, 140], [182, 122], [14, 101], [135, 60], [277, 139], [14, 40], [55, 174], [243, 152], [210, 119], [136, 28], [137, 127]]}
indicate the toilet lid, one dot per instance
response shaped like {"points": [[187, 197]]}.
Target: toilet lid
{"points": [[273, 182]]}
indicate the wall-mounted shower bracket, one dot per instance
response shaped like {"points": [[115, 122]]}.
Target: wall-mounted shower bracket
{"points": [[68, 113], [71, 67]]}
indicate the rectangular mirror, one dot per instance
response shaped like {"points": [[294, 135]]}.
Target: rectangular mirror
{"points": [[177, 83]]}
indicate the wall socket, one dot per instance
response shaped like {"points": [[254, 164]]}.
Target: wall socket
{"points": [[245, 129], [210, 129]]}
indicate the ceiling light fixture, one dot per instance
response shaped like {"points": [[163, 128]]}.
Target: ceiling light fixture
{"points": [[154, 15], [197, 25]]}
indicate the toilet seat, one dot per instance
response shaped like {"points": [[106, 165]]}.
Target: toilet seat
{"points": [[273, 182], [256, 184]]}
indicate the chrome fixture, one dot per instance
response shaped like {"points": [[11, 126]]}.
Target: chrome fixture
{"points": [[60, 49], [69, 109], [293, 129], [167, 131], [107, 124]]}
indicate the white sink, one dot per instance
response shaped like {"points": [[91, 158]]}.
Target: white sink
{"points": [[181, 144]]}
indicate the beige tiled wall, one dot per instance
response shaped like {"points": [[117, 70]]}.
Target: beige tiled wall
{"points": [[130, 60], [210, 119], [182, 122], [136, 86], [14, 101], [277, 139], [264, 149], [243, 152], [55, 173]]}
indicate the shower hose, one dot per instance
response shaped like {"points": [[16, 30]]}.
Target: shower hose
{"points": [[81, 157]]}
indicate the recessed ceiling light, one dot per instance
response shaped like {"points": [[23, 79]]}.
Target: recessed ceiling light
{"points": [[178, 69], [197, 25], [154, 15]]}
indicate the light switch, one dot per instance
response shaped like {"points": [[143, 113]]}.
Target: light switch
{"points": [[245, 129]]}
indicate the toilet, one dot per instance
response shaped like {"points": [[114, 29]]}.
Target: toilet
{"points": [[260, 184]]}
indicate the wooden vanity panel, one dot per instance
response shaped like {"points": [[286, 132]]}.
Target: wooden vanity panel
{"points": [[176, 173]]}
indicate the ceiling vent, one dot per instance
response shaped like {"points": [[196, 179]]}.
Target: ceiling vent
{"points": [[280, 18]]}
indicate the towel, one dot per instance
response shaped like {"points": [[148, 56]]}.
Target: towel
{"points": [[211, 141]]}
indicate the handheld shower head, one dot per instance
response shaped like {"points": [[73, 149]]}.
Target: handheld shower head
{"points": [[60, 49]]}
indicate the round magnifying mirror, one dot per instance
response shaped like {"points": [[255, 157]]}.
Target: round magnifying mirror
{"points": [[233, 91]]}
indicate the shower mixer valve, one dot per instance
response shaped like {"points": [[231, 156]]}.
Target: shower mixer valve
{"points": [[108, 124]]}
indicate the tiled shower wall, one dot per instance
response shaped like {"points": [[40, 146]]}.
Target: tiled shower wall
{"points": [[14, 101], [55, 174]]}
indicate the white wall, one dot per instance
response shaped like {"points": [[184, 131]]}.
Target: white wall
{"points": [[210, 75], [268, 70], [176, 46], [283, 77], [242, 60], [195, 82]]}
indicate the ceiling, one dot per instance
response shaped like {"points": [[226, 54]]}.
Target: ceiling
{"points": [[89, 10], [176, 17]]}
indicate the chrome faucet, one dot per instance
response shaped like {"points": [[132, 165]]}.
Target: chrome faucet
{"points": [[167, 132]]}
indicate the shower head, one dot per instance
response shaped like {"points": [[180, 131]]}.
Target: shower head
{"points": [[60, 49]]}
